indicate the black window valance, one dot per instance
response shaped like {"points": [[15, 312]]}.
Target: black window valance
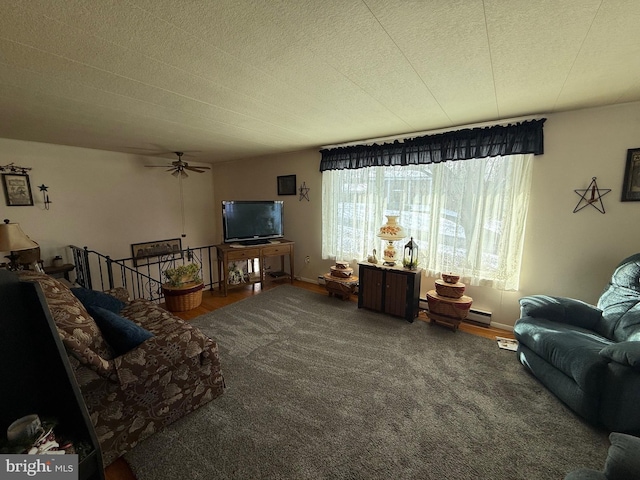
{"points": [[524, 137]]}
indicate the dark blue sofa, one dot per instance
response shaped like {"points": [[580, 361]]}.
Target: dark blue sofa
{"points": [[589, 356]]}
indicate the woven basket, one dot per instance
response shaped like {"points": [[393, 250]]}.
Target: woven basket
{"points": [[449, 307], [181, 299], [451, 290], [450, 278], [340, 272]]}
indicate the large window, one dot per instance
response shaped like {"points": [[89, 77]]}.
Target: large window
{"points": [[467, 217]]}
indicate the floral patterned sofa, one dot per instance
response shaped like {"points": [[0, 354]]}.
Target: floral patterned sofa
{"points": [[132, 395]]}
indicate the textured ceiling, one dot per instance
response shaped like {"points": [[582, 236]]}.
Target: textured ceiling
{"points": [[237, 78]]}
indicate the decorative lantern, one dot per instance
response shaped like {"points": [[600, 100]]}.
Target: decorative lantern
{"points": [[391, 231], [410, 259]]}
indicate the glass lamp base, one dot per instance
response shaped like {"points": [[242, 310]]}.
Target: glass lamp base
{"points": [[389, 255]]}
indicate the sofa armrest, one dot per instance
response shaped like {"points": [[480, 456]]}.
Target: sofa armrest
{"points": [[623, 461], [159, 353], [624, 353], [120, 293], [560, 309]]}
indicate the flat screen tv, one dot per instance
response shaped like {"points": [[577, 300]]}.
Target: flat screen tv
{"points": [[252, 222]]}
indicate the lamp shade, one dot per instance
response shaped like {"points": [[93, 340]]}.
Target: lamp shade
{"points": [[392, 230], [12, 238]]}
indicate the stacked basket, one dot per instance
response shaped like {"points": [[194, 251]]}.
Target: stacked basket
{"points": [[341, 270], [341, 281], [447, 303]]}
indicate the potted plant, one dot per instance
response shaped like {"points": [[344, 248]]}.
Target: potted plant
{"points": [[183, 288]]}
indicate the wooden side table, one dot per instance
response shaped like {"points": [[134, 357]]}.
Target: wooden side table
{"points": [[340, 287], [226, 253], [61, 271]]}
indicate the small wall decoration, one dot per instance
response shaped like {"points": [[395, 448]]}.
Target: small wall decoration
{"points": [[631, 185], [287, 185], [148, 252], [17, 189], [45, 196], [304, 191], [592, 195], [13, 168]]}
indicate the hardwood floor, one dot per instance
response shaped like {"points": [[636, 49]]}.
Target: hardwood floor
{"points": [[212, 300]]}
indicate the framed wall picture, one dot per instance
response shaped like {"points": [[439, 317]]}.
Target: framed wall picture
{"points": [[631, 186], [150, 252], [287, 185], [17, 189]]}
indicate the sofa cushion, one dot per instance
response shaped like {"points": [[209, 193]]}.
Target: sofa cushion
{"points": [[78, 331], [94, 298], [572, 350], [620, 302], [628, 326], [122, 334]]}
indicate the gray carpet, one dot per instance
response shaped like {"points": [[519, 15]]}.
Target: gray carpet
{"points": [[317, 388]]}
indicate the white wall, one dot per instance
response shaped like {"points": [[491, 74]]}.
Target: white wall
{"points": [[574, 254], [256, 179], [109, 200], [105, 200]]}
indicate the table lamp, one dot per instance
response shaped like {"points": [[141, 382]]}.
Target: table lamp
{"points": [[391, 231], [13, 239]]}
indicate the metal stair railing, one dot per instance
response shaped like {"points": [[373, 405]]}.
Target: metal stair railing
{"points": [[100, 272]]}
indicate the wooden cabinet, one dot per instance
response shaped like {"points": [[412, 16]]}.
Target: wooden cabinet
{"points": [[391, 290], [36, 375], [370, 288]]}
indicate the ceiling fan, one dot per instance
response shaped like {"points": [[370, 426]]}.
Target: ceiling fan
{"points": [[178, 167]]}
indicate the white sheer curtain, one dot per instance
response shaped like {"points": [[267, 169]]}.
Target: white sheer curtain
{"points": [[467, 217]]}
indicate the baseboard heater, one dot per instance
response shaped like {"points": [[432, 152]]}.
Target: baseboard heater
{"points": [[475, 316]]}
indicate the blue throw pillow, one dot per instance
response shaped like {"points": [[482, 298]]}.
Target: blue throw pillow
{"points": [[119, 332], [93, 298]]}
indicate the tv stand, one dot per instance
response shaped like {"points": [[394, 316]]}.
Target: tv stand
{"points": [[226, 253]]}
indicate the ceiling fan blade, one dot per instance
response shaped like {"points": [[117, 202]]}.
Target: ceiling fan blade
{"points": [[197, 169], [158, 166], [159, 151]]}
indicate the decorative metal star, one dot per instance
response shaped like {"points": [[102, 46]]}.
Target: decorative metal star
{"points": [[594, 199], [304, 191], [43, 188]]}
